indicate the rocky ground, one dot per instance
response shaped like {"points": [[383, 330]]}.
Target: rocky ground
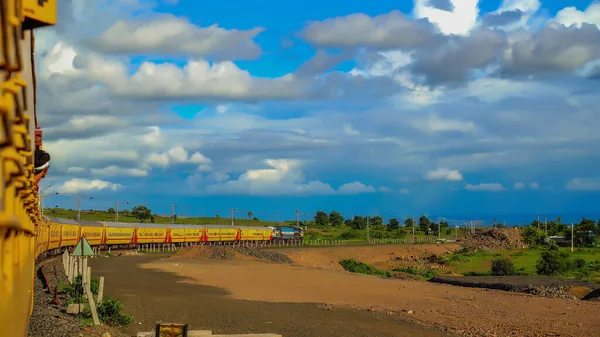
{"points": [[52, 320], [494, 239], [546, 286], [231, 253]]}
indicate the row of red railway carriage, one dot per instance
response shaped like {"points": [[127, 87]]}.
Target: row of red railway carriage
{"points": [[58, 233]]}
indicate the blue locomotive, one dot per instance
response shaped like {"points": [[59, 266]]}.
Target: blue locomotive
{"points": [[288, 233]]}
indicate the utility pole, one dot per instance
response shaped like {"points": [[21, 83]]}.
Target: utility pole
{"points": [[572, 237], [413, 234], [538, 220], [439, 229], [368, 238], [231, 210], [456, 232], [117, 210], [494, 222], [217, 217], [79, 207], [297, 217], [546, 225], [173, 213]]}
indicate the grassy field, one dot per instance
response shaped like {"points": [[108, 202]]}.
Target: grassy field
{"points": [[524, 259], [105, 216]]}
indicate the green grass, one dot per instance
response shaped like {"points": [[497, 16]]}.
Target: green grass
{"points": [[105, 216], [525, 260]]}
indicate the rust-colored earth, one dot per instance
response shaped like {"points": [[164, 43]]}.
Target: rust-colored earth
{"points": [[486, 313]]}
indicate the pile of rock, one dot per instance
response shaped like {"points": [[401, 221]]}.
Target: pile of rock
{"points": [[494, 239], [264, 255]]}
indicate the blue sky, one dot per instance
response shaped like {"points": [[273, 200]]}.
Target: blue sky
{"points": [[459, 109]]}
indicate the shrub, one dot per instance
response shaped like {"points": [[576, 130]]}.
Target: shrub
{"points": [[503, 267], [579, 263], [354, 266], [553, 262], [110, 311]]}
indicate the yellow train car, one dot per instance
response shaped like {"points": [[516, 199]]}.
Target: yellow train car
{"points": [[213, 233], [42, 239], [150, 233], [255, 233], [194, 233], [118, 233], [177, 233], [92, 230], [54, 235]]}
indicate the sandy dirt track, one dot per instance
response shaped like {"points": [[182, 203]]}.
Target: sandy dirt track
{"points": [[328, 257], [486, 313], [151, 295]]}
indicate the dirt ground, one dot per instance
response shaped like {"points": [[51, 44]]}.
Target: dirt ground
{"points": [[151, 295], [378, 256], [477, 311]]}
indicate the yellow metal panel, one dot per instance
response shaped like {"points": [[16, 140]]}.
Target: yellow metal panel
{"points": [[145, 235], [178, 235], [160, 235], [228, 234], [39, 13], [92, 234], [193, 234], [70, 235], [118, 236]]}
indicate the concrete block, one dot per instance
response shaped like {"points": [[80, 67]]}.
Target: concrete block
{"points": [[191, 333], [75, 308]]}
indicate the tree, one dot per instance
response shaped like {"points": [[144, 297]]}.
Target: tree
{"points": [[359, 222], [503, 267], [336, 219], [394, 224], [424, 223], [376, 221], [174, 217], [409, 223], [321, 218], [141, 213], [532, 236], [250, 215], [553, 262], [111, 210]]}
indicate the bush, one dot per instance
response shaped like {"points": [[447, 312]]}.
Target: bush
{"points": [[503, 267], [354, 266], [426, 274], [554, 262], [579, 263], [351, 234], [110, 311]]}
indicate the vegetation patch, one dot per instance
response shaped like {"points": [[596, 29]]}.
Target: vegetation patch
{"points": [[354, 266], [422, 273]]}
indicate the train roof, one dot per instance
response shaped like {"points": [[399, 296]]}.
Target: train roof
{"points": [[183, 226], [62, 220], [118, 224], [90, 223], [252, 227]]}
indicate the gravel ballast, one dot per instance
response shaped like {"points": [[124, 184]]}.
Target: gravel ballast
{"points": [[546, 286]]}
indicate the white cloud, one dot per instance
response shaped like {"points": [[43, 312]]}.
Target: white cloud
{"points": [[519, 186], [572, 16], [534, 185], [486, 187], [460, 21], [583, 184], [284, 177], [114, 170], [77, 185], [172, 35], [384, 189], [404, 191], [444, 174], [355, 188], [434, 123]]}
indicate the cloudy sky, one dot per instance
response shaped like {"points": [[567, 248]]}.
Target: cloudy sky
{"points": [[446, 107]]}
